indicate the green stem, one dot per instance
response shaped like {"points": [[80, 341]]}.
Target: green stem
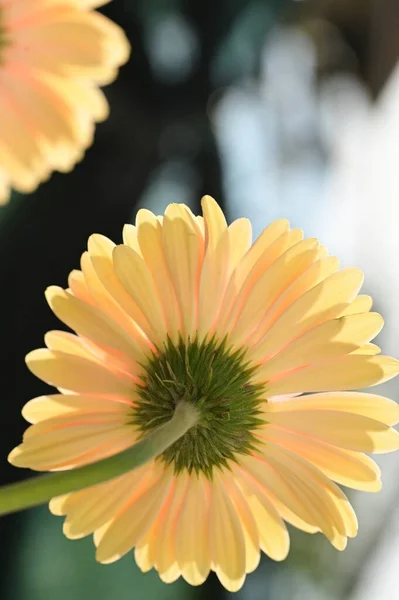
{"points": [[18, 496]]}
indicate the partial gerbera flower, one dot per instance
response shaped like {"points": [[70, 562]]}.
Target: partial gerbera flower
{"points": [[53, 56], [187, 308]]}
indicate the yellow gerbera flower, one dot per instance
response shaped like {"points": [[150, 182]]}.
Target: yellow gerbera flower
{"points": [[53, 55], [187, 308]]}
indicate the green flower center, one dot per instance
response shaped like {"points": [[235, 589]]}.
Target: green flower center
{"points": [[217, 381]]}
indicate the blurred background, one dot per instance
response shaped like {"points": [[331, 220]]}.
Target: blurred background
{"points": [[277, 108]]}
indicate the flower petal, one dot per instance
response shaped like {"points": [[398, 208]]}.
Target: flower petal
{"points": [[192, 543], [351, 469], [342, 429], [329, 340], [227, 542], [134, 518], [323, 302], [349, 372], [270, 285], [135, 277], [183, 246], [149, 232], [359, 403], [78, 374], [273, 534]]}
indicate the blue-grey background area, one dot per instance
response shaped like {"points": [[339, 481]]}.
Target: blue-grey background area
{"points": [[277, 108]]}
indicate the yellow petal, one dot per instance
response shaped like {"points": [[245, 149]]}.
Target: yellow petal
{"points": [[215, 222], [77, 374], [277, 486], [361, 304], [57, 405], [192, 543], [259, 248], [360, 403], [273, 534], [149, 232], [213, 282], [345, 430], [323, 302], [271, 284], [248, 524], [310, 486], [134, 519], [93, 324], [130, 237], [348, 372], [370, 349], [111, 294], [227, 542], [135, 277], [242, 280], [329, 340], [183, 247], [315, 274], [93, 507], [78, 287], [351, 469], [62, 341], [65, 448], [165, 548], [240, 234]]}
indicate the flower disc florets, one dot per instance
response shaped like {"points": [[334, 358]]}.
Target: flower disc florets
{"points": [[217, 381]]}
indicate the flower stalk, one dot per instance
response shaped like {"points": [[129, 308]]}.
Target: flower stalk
{"points": [[32, 492]]}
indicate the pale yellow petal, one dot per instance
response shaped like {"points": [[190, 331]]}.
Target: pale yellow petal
{"points": [[184, 248], [227, 543], [270, 285], [348, 372], [145, 549], [149, 232], [65, 448], [329, 340], [78, 287], [135, 277], [370, 349], [323, 302], [361, 304], [214, 221], [78, 374], [345, 430], [93, 324], [57, 405], [130, 237], [165, 547], [277, 485], [359, 403], [311, 486], [240, 234], [351, 469], [273, 534], [93, 507], [134, 519], [315, 274], [248, 523], [212, 284], [63, 341], [242, 281], [192, 542], [111, 294]]}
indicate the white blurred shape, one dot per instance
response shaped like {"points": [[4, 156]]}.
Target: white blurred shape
{"points": [[172, 48], [363, 197]]}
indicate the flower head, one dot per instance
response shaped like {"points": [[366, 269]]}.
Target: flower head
{"points": [[187, 309], [53, 56]]}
